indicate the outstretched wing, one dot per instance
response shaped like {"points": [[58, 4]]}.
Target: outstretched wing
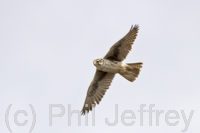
{"points": [[97, 89], [119, 50]]}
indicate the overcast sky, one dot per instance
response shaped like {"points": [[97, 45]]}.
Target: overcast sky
{"points": [[46, 54]]}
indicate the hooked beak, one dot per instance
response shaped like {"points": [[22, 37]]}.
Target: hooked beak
{"points": [[95, 62]]}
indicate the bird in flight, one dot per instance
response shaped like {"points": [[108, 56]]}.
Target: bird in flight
{"points": [[108, 66]]}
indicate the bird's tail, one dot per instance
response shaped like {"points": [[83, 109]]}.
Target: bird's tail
{"points": [[132, 71]]}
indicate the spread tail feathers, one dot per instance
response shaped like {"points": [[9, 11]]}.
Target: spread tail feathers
{"points": [[132, 71]]}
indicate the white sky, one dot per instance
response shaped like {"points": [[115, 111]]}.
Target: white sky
{"points": [[46, 54]]}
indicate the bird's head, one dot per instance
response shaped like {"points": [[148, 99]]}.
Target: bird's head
{"points": [[98, 62]]}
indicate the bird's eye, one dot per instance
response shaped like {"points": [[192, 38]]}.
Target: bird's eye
{"points": [[101, 61]]}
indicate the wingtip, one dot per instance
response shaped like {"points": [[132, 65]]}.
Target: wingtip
{"points": [[83, 112], [136, 26], [131, 27], [87, 109]]}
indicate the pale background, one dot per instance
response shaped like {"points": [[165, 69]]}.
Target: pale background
{"points": [[47, 49]]}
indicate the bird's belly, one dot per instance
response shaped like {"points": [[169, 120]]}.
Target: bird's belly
{"points": [[112, 67], [107, 69]]}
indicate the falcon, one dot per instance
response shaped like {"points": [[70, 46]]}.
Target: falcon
{"points": [[108, 66]]}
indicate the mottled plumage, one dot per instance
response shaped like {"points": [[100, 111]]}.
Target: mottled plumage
{"points": [[108, 66]]}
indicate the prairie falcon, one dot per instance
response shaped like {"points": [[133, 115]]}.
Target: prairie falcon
{"points": [[107, 67]]}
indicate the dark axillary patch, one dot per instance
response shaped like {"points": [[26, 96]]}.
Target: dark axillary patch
{"points": [[114, 57], [94, 86]]}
